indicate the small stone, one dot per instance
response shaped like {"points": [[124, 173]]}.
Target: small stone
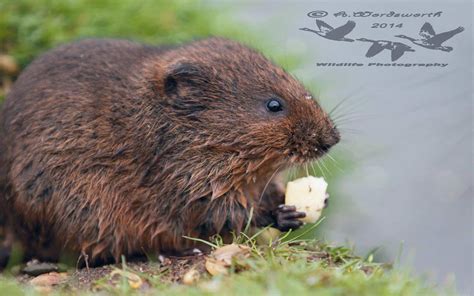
{"points": [[35, 268], [191, 277], [134, 280]]}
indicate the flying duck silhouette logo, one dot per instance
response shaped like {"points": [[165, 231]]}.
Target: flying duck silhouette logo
{"points": [[429, 39], [397, 48], [328, 32]]}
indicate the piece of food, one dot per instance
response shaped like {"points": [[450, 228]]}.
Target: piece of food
{"points": [[308, 194]]}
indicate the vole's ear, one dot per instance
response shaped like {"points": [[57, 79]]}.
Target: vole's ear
{"points": [[183, 74]]}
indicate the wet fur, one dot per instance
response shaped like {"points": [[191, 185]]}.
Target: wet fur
{"points": [[113, 148]]}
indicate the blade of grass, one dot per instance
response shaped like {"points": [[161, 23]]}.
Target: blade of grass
{"points": [[201, 241]]}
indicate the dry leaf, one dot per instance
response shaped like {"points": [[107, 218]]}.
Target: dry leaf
{"points": [[49, 279], [216, 267], [222, 257], [226, 253], [191, 277]]}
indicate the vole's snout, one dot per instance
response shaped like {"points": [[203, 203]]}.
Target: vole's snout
{"points": [[331, 139], [313, 141], [325, 139]]}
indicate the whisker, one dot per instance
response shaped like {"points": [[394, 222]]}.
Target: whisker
{"points": [[350, 130], [325, 169], [292, 173], [313, 168], [346, 113], [331, 158], [268, 182], [320, 169], [318, 96], [353, 115], [347, 121], [355, 158], [333, 109], [289, 173], [336, 163], [324, 166], [351, 96], [352, 107]]}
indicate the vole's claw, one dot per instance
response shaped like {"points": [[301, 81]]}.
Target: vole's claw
{"points": [[293, 215], [290, 224], [191, 252], [286, 208], [286, 217]]}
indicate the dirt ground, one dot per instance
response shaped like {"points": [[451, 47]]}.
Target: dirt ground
{"points": [[169, 269]]}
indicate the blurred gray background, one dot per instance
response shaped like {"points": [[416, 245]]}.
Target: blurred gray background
{"points": [[406, 184]]}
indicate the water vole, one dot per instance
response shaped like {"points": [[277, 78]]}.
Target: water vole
{"points": [[110, 147]]}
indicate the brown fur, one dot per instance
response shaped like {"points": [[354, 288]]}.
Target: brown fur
{"points": [[113, 148]]}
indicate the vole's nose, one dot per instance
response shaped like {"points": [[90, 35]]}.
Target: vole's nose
{"points": [[332, 138]]}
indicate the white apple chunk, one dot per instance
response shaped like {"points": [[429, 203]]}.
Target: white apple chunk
{"points": [[307, 195]]}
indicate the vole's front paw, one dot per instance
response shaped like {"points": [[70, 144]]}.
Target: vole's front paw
{"points": [[286, 217]]}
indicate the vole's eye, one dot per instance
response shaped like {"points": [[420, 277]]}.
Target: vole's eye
{"points": [[274, 105]]}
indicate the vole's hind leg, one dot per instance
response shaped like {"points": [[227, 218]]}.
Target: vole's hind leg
{"points": [[6, 241], [4, 256], [191, 252]]}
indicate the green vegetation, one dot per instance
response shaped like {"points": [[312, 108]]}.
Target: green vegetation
{"points": [[29, 27], [294, 267], [285, 267]]}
